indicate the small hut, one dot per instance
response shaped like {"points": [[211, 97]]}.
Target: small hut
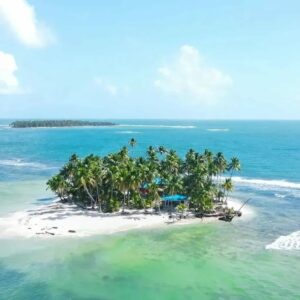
{"points": [[170, 201]]}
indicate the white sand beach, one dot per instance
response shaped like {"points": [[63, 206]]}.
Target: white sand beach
{"points": [[65, 220]]}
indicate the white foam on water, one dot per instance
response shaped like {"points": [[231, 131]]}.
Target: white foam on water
{"points": [[128, 132], [286, 242], [267, 183], [158, 126], [20, 163], [279, 195], [248, 211], [217, 129]]}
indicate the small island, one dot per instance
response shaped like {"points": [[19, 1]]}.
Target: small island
{"points": [[58, 123], [160, 182], [122, 191]]}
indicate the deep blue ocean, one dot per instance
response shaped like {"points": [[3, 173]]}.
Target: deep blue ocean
{"points": [[269, 152], [267, 149]]}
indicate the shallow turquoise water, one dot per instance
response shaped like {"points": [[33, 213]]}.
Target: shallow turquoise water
{"points": [[212, 261]]}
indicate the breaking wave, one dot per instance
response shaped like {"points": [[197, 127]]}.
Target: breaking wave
{"points": [[158, 126], [20, 164], [279, 195], [217, 129], [286, 242], [248, 212], [128, 132], [267, 183]]}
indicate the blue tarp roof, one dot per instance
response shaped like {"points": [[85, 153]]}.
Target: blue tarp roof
{"points": [[176, 197]]}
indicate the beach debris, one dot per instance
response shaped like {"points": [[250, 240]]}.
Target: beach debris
{"points": [[227, 217], [51, 233], [72, 231], [230, 214], [46, 232]]}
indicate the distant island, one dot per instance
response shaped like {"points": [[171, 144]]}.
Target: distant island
{"points": [[57, 123]]}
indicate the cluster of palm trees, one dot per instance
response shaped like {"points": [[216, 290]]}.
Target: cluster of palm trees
{"points": [[118, 181]]}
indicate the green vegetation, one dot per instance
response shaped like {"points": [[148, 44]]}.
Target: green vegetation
{"points": [[57, 123], [120, 181]]}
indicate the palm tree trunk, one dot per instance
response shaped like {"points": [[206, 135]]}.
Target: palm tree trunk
{"points": [[90, 196], [99, 200], [226, 197], [123, 202]]}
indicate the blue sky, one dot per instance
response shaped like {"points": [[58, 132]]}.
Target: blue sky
{"points": [[158, 59]]}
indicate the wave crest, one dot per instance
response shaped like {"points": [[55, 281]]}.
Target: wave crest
{"points": [[267, 183], [279, 195], [19, 164], [158, 126], [128, 132], [217, 129], [286, 242]]}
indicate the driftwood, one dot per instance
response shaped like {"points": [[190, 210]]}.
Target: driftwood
{"points": [[46, 232]]}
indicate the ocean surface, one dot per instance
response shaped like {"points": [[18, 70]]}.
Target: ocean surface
{"points": [[254, 257]]}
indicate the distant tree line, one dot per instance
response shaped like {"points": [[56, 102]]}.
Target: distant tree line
{"points": [[57, 123]]}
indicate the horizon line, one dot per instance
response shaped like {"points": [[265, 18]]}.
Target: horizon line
{"points": [[158, 119]]}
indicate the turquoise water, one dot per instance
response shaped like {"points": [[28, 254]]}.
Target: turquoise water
{"points": [[211, 261]]}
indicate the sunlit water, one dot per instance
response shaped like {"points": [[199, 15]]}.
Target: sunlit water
{"points": [[212, 261]]}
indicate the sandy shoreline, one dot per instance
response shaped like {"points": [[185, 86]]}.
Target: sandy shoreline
{"points": [[65, 220]]}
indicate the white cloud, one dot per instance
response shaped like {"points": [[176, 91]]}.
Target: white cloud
{"points": [[20, 17], [109, 87], [188, 76], [9, 83]]}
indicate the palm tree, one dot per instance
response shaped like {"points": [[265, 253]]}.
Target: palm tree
{"points": [[127, 179], [151, 153], [190, 161], [86, 177], [219, 166], [135, 177], [171, 164], [220, 162], [152, 160], [109, 182], [132, 142], [98, 172], [209, 155], [58, 185], [122, 156], [85, 181], [154, 195], [162, 150], [228, 187], [174, 184], [234, 165], [122, 183]]}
